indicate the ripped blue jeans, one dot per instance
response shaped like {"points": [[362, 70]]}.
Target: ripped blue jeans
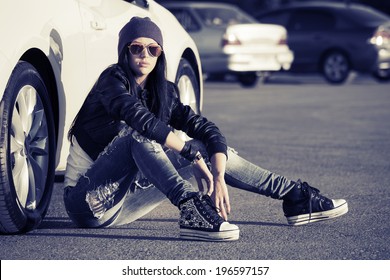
{"points": [[134, 174]]}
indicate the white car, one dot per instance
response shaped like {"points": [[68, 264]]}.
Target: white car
{"points": [[51, 53], [231, 41], [257, 47]]}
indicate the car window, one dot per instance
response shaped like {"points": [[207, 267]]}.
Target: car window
{"points": [[186, 19], [279, 17], [310, 20], [221, 17]]}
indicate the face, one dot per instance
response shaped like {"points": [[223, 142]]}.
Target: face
{"points": [[143, 57]]}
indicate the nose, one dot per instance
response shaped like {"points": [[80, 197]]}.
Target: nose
{"points": [[144, 52]]}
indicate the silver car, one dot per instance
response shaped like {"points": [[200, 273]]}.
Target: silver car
{"points": [[230, 41]]}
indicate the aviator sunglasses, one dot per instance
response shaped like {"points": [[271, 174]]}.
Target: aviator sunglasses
{"points": [[137, 48]]}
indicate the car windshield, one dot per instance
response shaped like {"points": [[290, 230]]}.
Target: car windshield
{"points": [[222, 17]]}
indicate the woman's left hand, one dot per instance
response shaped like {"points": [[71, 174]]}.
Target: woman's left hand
{"points": [[220, 194]]}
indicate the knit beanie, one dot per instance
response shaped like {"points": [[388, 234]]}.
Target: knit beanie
{"points": [[139, 27]]}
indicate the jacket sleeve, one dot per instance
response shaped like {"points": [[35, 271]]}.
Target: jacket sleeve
{"points": [[114, 95], [198, 127]]}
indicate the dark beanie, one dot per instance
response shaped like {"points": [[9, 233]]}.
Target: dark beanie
{"points": [[139, 27]]}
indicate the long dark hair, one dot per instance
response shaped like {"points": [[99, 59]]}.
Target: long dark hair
{"points": [[156, 86]]}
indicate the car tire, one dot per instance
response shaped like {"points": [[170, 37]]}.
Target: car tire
{"points": [[27, 151], [189, 91], [188, 85], [248, 80], [382, 75], [335, 67]]}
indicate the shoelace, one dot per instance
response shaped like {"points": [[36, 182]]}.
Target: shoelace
{"points": [[313, 192], [209, 206]]}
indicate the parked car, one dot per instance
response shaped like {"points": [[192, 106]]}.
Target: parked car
{"points": [[335, 38], [51, 54], [230, 41]]}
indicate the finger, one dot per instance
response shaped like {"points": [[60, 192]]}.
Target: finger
{"points": [[200, 184], [227, 205], [222, 211], [220, 208], [210, 187]]}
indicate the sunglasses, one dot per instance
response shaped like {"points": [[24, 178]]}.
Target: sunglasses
{"points": [[137, 48]]}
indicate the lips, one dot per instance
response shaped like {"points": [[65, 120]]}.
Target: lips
{"points": [[143, 64]]}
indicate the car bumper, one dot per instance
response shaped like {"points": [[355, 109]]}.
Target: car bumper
{"points": [[383, 62], [243, 62]]}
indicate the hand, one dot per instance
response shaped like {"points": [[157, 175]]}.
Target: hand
{"points": [[201, 172], [220, 196]]}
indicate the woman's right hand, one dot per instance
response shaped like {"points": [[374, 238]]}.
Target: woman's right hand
{"points": [[202, 173]]}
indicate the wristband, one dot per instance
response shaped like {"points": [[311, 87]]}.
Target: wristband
{"points": [[198, 157]]}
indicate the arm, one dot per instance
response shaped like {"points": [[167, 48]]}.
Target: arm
{"points": [[198, 127], [174, 143]]}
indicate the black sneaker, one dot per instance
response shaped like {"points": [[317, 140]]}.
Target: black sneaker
{"points": [[306, 205], [199, 220]]}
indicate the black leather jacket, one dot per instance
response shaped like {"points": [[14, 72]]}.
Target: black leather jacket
{"points": [[110, 106]]}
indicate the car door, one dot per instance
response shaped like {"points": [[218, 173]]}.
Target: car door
{"points": [[308, 34], [308, 37], [101, 22]]}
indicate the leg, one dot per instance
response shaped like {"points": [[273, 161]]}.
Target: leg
{"points": [[101, 198], [98, 197], [245, 175], [302, 203], [145, 197]]}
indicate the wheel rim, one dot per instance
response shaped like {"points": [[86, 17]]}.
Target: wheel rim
{"points": [[336, 67], [29, 147], [187, 92]]}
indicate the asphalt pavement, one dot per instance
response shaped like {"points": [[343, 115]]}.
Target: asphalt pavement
{"points": [[337, 138]]}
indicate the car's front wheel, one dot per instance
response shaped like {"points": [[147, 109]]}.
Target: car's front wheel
{"points": [[27, 151], [335, 67]]}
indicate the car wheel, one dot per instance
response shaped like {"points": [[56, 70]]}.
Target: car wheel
{"points": [[335, 67], [188, 85], [382, 75], [189, 91], [248, 79], [27, 151]]}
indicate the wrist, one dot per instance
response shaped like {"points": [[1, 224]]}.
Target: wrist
{"points": [[218, 174], [198, 157], [189, 153]]}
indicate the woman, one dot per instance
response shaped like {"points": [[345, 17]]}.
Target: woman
{"points": [[122, 139]]}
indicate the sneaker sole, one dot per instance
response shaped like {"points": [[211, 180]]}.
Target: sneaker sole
{"points": [[318, 216], [190, 234]]}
